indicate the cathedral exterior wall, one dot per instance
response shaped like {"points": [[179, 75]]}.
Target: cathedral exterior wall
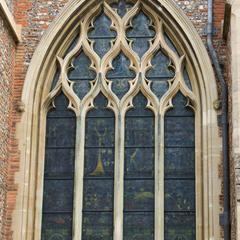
{"points": [[34, 17]]}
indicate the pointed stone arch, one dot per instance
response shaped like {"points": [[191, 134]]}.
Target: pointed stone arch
{"points": [[37, 84]]}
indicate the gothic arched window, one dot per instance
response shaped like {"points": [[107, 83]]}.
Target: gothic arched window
{"points": [[120, 150]]}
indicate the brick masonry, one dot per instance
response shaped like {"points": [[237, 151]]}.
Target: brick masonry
{"points": [[7, 49], [35, 16]]}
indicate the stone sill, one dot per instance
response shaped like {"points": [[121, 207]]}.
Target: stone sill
{"points": [[8, 17]]}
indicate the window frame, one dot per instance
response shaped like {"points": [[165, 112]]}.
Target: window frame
{"points": [[204, 149]]}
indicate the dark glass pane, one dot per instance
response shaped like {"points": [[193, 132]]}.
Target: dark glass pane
{"points": [[139, 162], [140, 45], [121, 7], [102, 46], [180, 107], [72, 45], [159, 86], [55, 77], [100, 132], [99, 172], [121, 68], [98, 195], [57, 227], [81, 88], [179, 195], [140, 107], [120, 75], [187, 79], [99, 162], [160, 67], [139, 132], [170, 43], [61, 132], [81, 69], [59, 162], [179, 131], [139, 195], [138, 226], [101, 35], [141, 33], [141, 27], [159, 74], [58, 195], [180, 226], [59, 168], [61, 109], [81, 75], [100, 110], [139, 172], [101, 28], [58, 71], [97, 226], [179, 162]]}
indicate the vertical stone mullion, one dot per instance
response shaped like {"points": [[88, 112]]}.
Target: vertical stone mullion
{"points": [[78, 178], [119, 178], [159, 177]]}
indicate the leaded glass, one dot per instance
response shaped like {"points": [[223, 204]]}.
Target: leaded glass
{"points": [[120, 75], [81, 75], [122, 7], [134, 163], [101, 35], [179, 195], [160, 73], [98, 172], [139, 226], [97, 226], [141, 33], [58, 173], [139, 171]]}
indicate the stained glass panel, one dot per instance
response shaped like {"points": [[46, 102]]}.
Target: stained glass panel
{"points": [[57, 226], [141, 33], [58, 172], [120, 75], [81, 75], [98, 172], [122, 7], [179, 195], [97, 226], [180, 226], [139, 171], [101, 34], [138, 226]]}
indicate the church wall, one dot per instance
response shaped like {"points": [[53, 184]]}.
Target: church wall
{"points": [[35, 16], [7, 53]]}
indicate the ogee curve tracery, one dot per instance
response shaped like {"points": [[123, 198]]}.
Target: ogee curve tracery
{"points": [[123, 55]]}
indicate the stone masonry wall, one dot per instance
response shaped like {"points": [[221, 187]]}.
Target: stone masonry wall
{"points": [[7, 47], [35, 16]]}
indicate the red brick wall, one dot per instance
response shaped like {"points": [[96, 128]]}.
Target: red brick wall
{"points": [[7, 52], [35, 17]]}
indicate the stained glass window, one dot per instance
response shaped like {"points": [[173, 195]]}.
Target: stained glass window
{"points": [[120, 140]]}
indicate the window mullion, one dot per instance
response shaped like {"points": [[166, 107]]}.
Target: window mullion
{"points": [[78, 178], [119, 177], [159, 177]]}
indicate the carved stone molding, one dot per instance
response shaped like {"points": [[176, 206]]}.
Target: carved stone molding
{"points": [[37, 96]]}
